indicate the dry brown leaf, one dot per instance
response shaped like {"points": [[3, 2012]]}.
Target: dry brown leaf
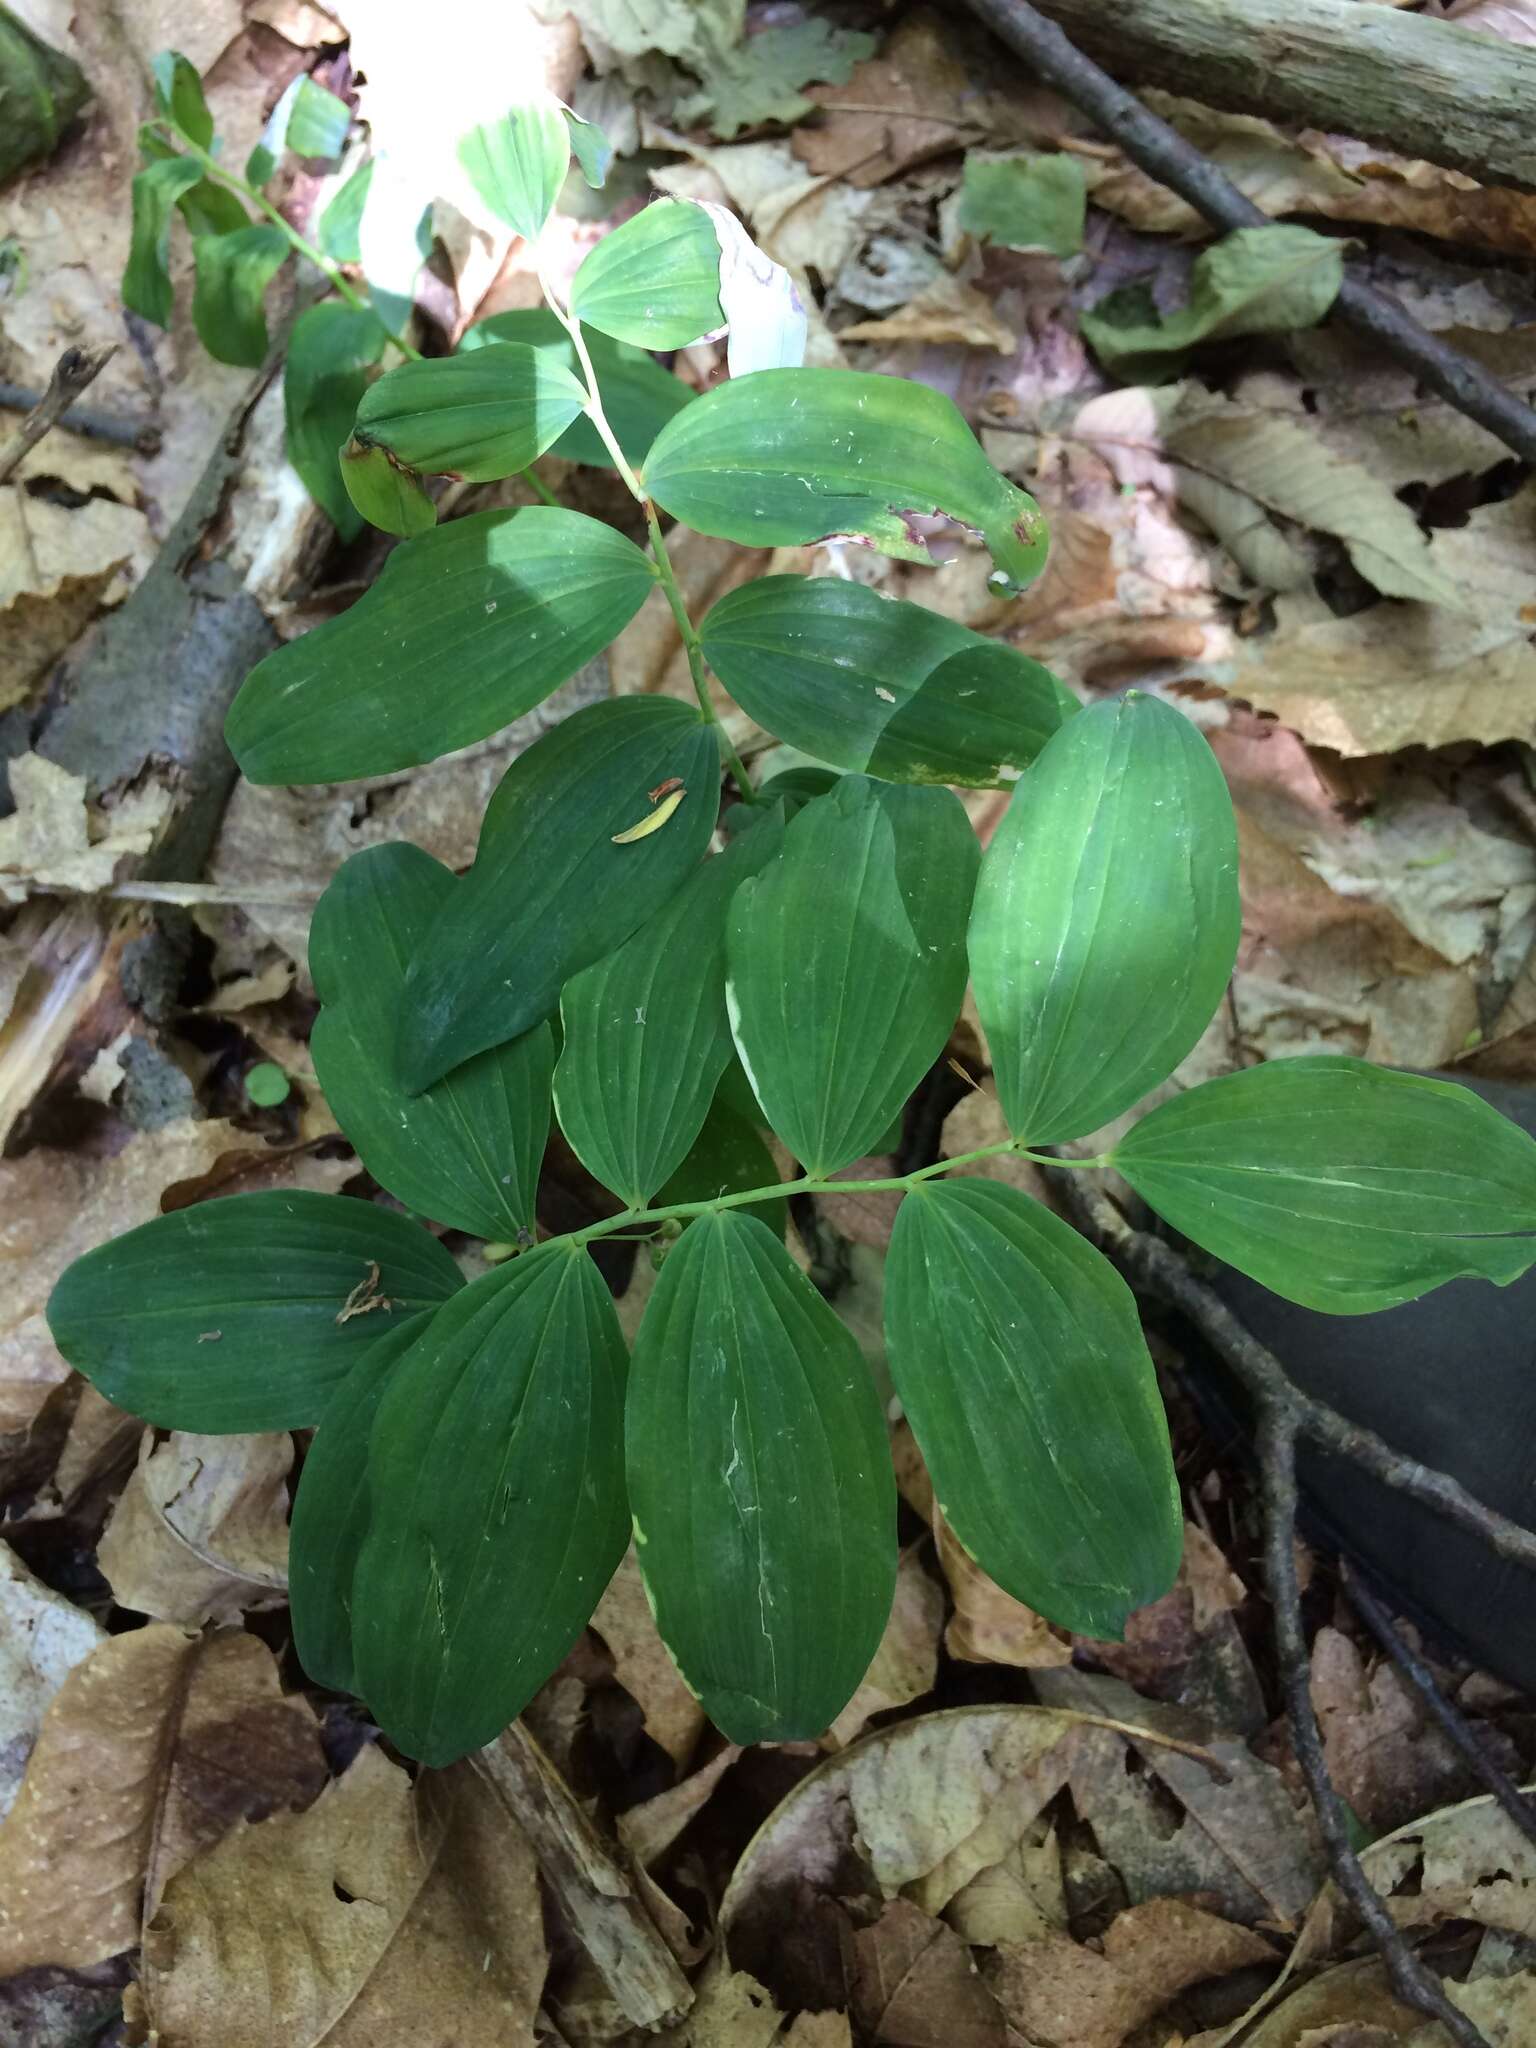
{"points": [[927, 107], [151, 1750], [1162, 1638], [1021, 1896], [732, 2010], [907, 1661], [379, 1915], [644, 1666], [988, 1625], [948, 310], [200, 1533], [914, 1985], [42, 1638], [55, 840]]}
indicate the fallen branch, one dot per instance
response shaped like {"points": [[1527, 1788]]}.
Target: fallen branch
{"points": [[96, 425], [1407, 82], [1286, 1415], [1163, 154], [72, 373]]}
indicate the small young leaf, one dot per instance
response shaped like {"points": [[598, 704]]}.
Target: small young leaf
{"points": [[727, 1158], [179, 96], [646, 1033], [388, 496], [518, 164], [1018, 1355], [267, 1085], [875, 685], [654, 281], [232, 275], [467, 1152], [1106, 919], [243, 1313], [336, 233], [331, 349], [479, 416], [847, 963], [497, 1461], [147, 276], [1268, 280], [769, 1549], [1025, 202], [330, 1510], [591, 147], [318, 122], [507, 604], [786, 457], [639, 396], [549, 891], [1340, 1185]]}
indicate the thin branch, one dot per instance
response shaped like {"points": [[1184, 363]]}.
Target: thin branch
{"points": [[75, 369], [1413, 1983], [1455, 1724], [1163, 154], [94, 424]]}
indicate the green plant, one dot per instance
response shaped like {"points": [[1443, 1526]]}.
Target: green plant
{"points": [[484, 1451]]}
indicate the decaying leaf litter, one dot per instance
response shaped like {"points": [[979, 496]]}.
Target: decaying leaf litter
{"points": [[1080, 1845]]}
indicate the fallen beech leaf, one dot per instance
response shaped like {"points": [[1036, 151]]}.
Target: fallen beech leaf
{"points": [[914, 1985], [152, 1749], [42, 1638], [988, 1625], [947, 310], [907, 1661], [912, 102], [200, 1533], [380, 1915], [1017, 1898], [1385, 1755], [644, 1666]]}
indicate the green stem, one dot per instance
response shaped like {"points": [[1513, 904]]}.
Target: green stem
{"points": [[667, 577], [810, 1185], [594, 407]]}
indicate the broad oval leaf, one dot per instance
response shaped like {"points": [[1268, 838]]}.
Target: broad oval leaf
{"points": [[1106, 919], [179, 95], [785, 457], [317, 122], [646, 1035], [246, 1312], [639, 396], [479, 416], [146, 283], [496, 1474], [654, 281], [1340, 1185], [552, 889], [847, 963], [330, 1510], [873, 684], [517, 164], [231, 275], [1018, 1355], [467, 1152], [769, 1550], [385, 494], [331, 349], [501, 607]]}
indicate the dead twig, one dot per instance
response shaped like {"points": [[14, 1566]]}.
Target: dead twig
{"points": [[72, 373], [96, 425], [1286, 1415], [1457, 1728], [1163, 154]]}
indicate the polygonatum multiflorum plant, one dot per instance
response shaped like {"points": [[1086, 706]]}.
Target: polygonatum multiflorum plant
{"points": [[674, 962]]}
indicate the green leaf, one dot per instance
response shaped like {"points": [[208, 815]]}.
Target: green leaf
{"points": [[230, 282], [1106, 919], [384, 493], [847, 963], [639, 396], [591, 147], [798, 786], [479, 416], [760, 1484], [496, 1477], [1018, 1355], [728, 1157], [179, 96], [41, 91], [267, 1085], [550, 891], [646, 1033], [654, 281], [1340, 1185], [336, 233], [467, 1152], [504, 605], [1025, 202], [330, 1510], [870, 683], [147, 276], [518, 163], [760, 79], [785, 457], [211, 209], [330, 351], [243, 1313], [318, 122], [1268, 280]]}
